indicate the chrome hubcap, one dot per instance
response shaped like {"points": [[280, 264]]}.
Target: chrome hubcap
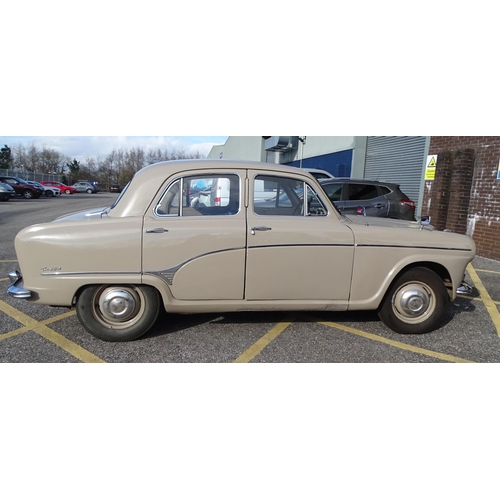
{"points": [[118, 304], [414, 302]]}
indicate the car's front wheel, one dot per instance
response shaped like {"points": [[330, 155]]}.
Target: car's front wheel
{"points": [[28, 194], [118, 313], [415, 302], [67, 191], [89, 191]]}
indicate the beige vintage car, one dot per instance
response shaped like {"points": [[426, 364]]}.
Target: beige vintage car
{"points": [[172, 240]]}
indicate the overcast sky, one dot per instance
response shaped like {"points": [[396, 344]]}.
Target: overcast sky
{"points": [[79, 147]]}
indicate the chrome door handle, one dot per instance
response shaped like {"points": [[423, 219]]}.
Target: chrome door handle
{"points": [[379, 205], [260, 228], [157, 230]]}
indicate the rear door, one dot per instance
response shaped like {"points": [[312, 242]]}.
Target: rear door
{"points": [[368, 196], [198, 250]]}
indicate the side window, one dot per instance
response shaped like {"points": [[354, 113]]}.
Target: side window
{"points": [[284, 196], [362, 192], [333, 191], [277, 195], [201, 196]]}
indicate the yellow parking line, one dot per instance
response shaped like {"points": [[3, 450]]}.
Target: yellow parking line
{"points": [[8, 261], [17, 315], [4, 279], [263, 342], [487, 271], [25, 329], [394, 343], [66, 344], [477, 298], [487, 300], [47, 333]]}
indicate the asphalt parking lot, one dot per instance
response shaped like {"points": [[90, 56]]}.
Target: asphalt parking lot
{"points": [[31, 333]]}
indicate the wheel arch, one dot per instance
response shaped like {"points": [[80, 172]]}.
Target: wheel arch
{"points": [[437, 268], [83, 286]]}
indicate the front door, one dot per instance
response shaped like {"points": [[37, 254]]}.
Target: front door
{"points": [[298, 248]]}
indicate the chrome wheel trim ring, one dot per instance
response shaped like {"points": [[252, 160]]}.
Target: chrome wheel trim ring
{"points": [[118, 307]]}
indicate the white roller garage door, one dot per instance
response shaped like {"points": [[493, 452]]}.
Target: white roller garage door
{"points": [[398, 159]]}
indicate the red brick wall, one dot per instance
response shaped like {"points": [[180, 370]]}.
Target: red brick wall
{"points": [[465, 195]]}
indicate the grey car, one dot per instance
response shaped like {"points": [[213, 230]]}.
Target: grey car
{"points": [[370, 198], [6, 192], [85, 187]]}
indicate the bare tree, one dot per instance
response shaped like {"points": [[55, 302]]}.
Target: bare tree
{"points": [[120, 165]]}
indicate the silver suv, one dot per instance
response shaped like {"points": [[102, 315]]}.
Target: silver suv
{"points": [[370, 198], [85, 187]]}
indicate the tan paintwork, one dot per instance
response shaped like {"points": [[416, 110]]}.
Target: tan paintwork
{"points": [[218, 263]]}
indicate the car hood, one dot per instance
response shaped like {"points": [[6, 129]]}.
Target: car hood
{"points": [[94, 213], [390, 233], [383, 222]]}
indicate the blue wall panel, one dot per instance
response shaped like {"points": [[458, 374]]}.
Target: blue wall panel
{"points": [[338, 164]]}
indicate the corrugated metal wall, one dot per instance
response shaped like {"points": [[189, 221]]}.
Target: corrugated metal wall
{"points": [[398, 159]]}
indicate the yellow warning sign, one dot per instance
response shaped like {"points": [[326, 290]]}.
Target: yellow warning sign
{"points": [[430, 169]]}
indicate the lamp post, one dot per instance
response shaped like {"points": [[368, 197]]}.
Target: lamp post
{"points": [[302, 142]]}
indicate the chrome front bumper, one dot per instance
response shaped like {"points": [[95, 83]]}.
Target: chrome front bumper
{"points": [[16, 289], [465, 289]]}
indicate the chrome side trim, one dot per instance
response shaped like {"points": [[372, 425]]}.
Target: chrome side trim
{"points": [[303, 245], [79, 273], [408, 246]]}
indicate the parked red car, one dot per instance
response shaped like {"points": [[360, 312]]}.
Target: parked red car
{"points": [[65, 189]]}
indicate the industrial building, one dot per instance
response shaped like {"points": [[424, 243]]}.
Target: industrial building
{"points": [[454, 179], [397, 159]]}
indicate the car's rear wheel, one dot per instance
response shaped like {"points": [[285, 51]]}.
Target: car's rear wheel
{"points": [[89, 191], [415, 302], [67, 191], [28, 194], [118, 313]]}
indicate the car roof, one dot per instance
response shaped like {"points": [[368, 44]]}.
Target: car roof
{"points": [[364, 181], [318, 170], [148, 180]]}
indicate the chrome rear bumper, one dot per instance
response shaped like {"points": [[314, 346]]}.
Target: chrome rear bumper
{"points": [[16, 289]]}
